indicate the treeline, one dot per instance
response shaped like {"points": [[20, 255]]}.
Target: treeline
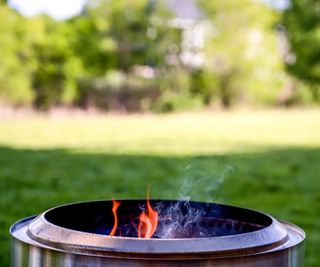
{"points": [[140, 55]]}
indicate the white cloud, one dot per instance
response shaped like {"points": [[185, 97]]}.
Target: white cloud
{"points": [[59, 9]]}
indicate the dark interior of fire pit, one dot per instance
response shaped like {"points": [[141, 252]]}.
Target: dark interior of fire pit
{"points": [[177, 219]]}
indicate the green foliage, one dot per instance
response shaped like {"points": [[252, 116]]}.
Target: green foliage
{"points": [[16, 62], [58, 67], [117, 36], [47, 63], [243, 51], [302, 23], [204, 84], [175, 92], [123, 34], [170, 101], [92, 43]]}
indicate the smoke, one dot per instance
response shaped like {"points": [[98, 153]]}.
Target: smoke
{"points": [[181, 218], [197, 184], [185, 219]]}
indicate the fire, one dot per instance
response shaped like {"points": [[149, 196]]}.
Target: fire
{"points": [[115, 205], [148, 220]]}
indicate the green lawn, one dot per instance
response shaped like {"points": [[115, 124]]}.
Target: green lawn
{"points": [[268, 160]]}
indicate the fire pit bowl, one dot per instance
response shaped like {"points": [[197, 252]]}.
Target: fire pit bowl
{"points": [[188, 233]]}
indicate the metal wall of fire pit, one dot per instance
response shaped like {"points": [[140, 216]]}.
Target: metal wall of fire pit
{"points": [[77, 235]]}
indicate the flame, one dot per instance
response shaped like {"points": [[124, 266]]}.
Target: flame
{"points": [[115, 205], [148, 221]]}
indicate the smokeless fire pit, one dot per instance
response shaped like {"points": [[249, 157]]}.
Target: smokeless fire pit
{"points": [[157, 233]]}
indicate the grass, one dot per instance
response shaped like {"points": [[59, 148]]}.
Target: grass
{"points": [[269, 160]]}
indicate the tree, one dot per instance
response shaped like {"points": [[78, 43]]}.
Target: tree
{"points": [[302, 24], [116, 36], [54, 80], [243, 54], [16, 61], [129, 30]]}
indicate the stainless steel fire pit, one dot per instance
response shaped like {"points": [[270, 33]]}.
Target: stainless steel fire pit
{"points": [[188, 234]]}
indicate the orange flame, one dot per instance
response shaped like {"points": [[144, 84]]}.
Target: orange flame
{"points": [[148, 221], [115, 205]]}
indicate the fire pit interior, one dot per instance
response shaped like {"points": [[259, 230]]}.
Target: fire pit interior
{"points": [[177, 219]]}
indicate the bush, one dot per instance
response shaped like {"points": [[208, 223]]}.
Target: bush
{"points": [[175, 95], [204, 84], [117, 91]]}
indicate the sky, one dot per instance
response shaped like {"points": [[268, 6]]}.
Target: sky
{"points": [[59, 9], [63, 9]]}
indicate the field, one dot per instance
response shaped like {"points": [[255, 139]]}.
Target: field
{"points": [[266, 160]]}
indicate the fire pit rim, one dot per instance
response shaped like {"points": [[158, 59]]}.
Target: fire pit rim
{"points": [[44, 232], [288, 246], [272, 219]]}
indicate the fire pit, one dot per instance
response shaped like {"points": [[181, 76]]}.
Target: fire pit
{"points": [[157, 233]]}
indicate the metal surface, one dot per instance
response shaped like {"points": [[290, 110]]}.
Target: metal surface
{"points": [[37, 242]]}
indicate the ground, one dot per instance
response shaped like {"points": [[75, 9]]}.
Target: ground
{"points": [[266, 160]]}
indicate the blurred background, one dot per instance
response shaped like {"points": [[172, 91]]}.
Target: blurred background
{"points": [[159, 56], [99, 98]]}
